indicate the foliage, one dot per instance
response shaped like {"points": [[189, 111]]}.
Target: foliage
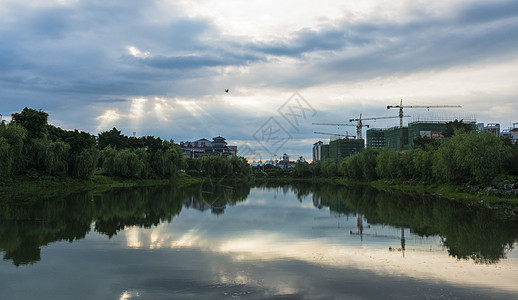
{"points": [[426, 143], [301, 170], [456, 126], [387, 163], [83, 165], [34, 121], [11, 145], [113, 138], [52, 157], [329, 168]]}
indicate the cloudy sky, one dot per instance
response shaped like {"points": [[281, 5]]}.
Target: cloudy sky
{"points": [[161, 67]]}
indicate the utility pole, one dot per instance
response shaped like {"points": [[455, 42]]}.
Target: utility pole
{"points": [[400, 106]]}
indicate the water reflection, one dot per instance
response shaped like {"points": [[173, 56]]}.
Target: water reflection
{"points": [[467, 232]]}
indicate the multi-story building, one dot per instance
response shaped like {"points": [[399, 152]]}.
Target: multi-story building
{"points": [[339, 148], [375, 138], [390, 138], [514, 133], [393, 138], [493, 128], [317, 151], [204, 147]]}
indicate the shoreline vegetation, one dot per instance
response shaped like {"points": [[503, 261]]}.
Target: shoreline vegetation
{"points": [[99, 183], [39, 158]]}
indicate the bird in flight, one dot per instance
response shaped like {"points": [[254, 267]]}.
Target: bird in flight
{"points": [[226, 90]]}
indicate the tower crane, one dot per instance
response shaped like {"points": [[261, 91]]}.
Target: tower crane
{"points": [[400, 106], [346, 135], [360, 124], [358, 127]]}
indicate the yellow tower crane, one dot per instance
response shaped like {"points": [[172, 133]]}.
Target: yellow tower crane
{"points": [[400, 106], [358, 127], [346, 135], [360, 123]]}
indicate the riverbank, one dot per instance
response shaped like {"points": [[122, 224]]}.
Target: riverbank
{"points": [[452, 192], [50, 186]]}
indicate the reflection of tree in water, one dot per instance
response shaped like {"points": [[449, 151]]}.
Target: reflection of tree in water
{"points": [[25, 226], [28, 224], [142, 207], [468, 232], [216, 195]]}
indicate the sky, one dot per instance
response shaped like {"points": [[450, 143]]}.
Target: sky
{"points": [[161, 67]]}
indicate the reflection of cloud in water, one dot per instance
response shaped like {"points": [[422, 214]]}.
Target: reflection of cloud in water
{"points": [[255, 246]]}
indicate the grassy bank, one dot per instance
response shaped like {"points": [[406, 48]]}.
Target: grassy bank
{"points": [[452, 192], [49, 186]]}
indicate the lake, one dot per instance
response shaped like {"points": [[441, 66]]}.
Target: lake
{"points": [[223, 241]]}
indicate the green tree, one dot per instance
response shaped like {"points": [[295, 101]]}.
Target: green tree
{"points": [[301, 169], [6, 163], [367, 163], [113, 138], [167, 163], [78, 140], [423, 162], [350, 167], [15, 136], [83, 164], [316, 168], [426, 143], [34, 121], [240, 166], [52, 157], [130, 163], [387, 163], [477, 157], [456, 126], [329, 168]]}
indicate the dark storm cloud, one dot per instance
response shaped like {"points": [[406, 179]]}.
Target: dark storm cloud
{"points": [[194, 61], [83, 48], [488, 12]]}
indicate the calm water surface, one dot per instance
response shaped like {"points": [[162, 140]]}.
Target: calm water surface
{"points": [[218, 241]]}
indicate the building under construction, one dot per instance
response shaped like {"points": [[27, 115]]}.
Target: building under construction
{"points": [[390, 137], [338, 149]]}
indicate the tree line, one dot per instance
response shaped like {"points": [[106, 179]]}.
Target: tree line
{"points": [[31, 148]]}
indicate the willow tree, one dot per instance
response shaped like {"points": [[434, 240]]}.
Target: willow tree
{"points": [[14, 136]]}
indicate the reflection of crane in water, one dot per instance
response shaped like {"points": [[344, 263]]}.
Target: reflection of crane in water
{"points": [[403, 242], [359, 223]]}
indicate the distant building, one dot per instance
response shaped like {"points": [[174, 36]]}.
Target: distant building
{"points": [[393, 138], [428, 129], [317, 151], [204, 147], [493, 128], [375, 138], [514, 133], [285, 162]]}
